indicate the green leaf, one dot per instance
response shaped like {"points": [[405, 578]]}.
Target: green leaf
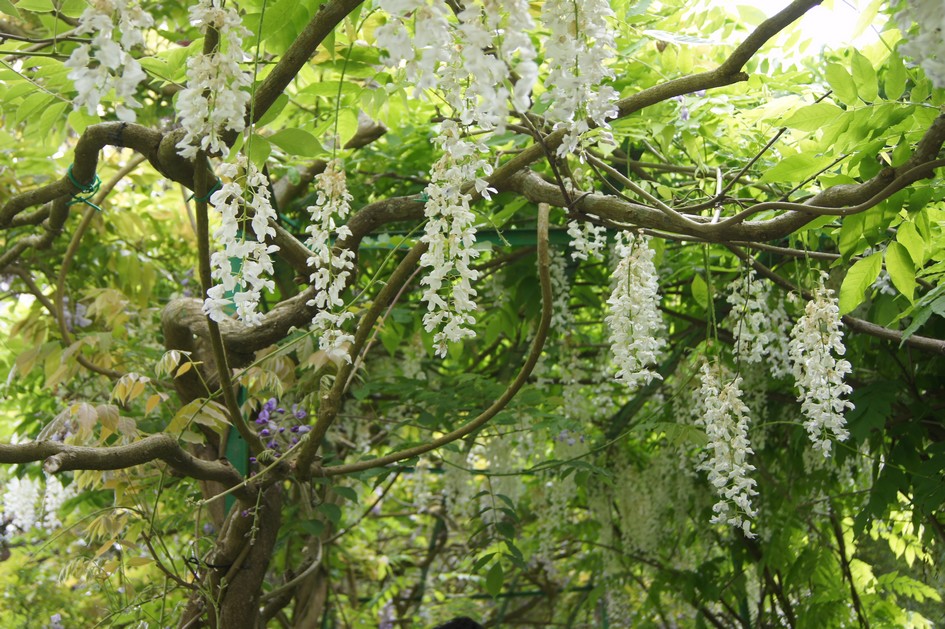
{"points": [[920, 316], [32, 104], [38, 6], [860, 276], [259, 150], [348, 493], [908, 236], [332, 89], [864, 76], [700, 292], [296, 142], [795, 168], [505, 529], [895, 83], [50, 118], [481, 561], [7, 7], [331, 511], [842, 84], [73, 8], [494, 579], [813, 117], [273, 112], [901, 270]]}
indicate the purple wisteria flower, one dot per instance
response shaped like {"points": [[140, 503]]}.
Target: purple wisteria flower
{"points": [[279, 428]]}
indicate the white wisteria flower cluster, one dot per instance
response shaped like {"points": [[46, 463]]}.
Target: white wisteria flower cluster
{"points": [[472, 62], [243, 264], [20, 498], [105, 63], [331, 268], [450, 236], [587, 239], [760, 329], [430, 46], [21, 503], [55, 496], [580, 44], [494, 47], [562, 319], [636, 326], [725, 459], [928, 46], [214, 99], [816, 343]]}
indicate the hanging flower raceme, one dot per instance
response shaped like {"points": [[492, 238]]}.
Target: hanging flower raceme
{"points": [[816, 342], [587, 239], [760, 330], [22, 498], [332, 268], [576, 52], [242, 266], [636, 327], [493, 48], [562, 319], [431, 45], [473, 62], [105, 63], [451, 237], [926, 47], [725, 458], [214, 99]]}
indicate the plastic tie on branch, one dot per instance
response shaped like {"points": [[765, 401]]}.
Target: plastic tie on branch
{"points": [[86, 191], [206, 198]]}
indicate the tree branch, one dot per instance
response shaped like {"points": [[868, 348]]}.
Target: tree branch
{"points": [[61, 457]]}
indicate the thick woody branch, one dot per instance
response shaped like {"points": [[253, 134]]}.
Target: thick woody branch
{"points": [[841, 200], [183, 318], [60, 457], [159, 149]]}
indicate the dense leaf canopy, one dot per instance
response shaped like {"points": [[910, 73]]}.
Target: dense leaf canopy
{"points": [[326, 313]]}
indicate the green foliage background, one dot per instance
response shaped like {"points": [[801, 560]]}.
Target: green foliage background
{"points": [[514, 523]]}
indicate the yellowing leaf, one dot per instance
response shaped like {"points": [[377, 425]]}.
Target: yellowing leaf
{"points": [[137, 389], [139, 561], [104, 548], [127, 426], [189, 436], [85, 416], [167, 363], [108, 415], [152, 403]]}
